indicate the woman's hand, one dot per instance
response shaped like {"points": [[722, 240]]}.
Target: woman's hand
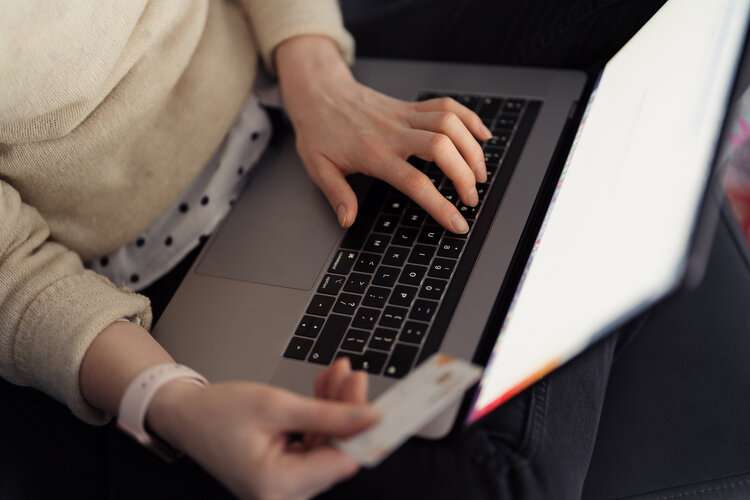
{"points": [[343, 127], [239, 432]]}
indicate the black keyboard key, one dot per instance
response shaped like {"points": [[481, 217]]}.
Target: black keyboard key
{"points": [[386, 224], [393, 317], [413, 332], [370, 361], [470, 223], [298, 348], [491, 171], [423, 310], [418, 163], [513, 105], [403, 295], [489, 107], [346, 303], [414, 217], [469, 213], [329, 339], [493, 156], [442, 268], [343, 262], [385, 276], [376, 296], [395, 206], [377, 243], [469, 101], [433, 289], [395, 256], [431, 235], [421, 254], [506, 121], [355, 340], [450, 194], [482, 188], [357, 283], [412, 275], [383, 339], [331, 284], [401, 360], [366, 318], [435, 175], [405, 236], [309, 326], [320, 305], [367, 263], [450, 247], [499, 139]]}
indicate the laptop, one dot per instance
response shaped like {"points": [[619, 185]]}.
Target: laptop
{"points": [[594, 212]]}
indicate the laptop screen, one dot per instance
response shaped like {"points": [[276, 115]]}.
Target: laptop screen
{"points": [[616, 237]]}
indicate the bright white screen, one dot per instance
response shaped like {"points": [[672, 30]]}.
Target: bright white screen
{"points": [[618, 236]]}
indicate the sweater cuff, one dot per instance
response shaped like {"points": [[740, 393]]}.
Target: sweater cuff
{"points": [[53, 339], [274, 21]]}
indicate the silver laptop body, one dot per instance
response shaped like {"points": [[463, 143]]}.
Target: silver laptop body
{"points": [[234, 314]]}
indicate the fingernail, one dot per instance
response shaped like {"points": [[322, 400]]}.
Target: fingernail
{"points": [[486, 131], [473, 196], [481, 172], [341, 213], [459, 223]]}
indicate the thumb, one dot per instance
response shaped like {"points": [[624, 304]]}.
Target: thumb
{"points": [[327, 417], [336, 189]]}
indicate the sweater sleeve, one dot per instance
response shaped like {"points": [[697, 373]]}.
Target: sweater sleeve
{"points": [[274, 21], [51, 308]]}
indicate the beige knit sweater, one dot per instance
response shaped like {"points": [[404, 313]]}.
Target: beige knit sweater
{"points": [[108, 110]]}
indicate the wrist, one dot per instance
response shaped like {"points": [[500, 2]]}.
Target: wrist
{"points": [[308, 58], [167, 414]]}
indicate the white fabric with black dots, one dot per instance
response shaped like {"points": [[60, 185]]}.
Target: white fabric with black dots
{"points": [[197, 211]]}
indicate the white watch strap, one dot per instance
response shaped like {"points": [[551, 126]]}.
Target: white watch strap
{"points": [[138, 396]]}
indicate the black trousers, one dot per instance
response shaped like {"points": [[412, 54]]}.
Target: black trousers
{"points": [[541, 443]]}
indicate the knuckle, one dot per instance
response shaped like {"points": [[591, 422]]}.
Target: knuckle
{"points": [[446, 103], [448, 120], [439, 144]]}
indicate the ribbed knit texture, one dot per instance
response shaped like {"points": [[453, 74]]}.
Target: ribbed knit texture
{"points": [[108, 110]]}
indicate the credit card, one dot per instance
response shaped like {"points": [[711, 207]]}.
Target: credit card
{"points": [[409, 405]]}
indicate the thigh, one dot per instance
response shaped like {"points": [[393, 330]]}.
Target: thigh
{"points": [[537, 445]]}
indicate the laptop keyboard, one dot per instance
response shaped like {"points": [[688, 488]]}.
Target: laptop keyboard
{"points": [[392, 286]]}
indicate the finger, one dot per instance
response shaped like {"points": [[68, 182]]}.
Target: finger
{"points": [[336, 377], [450, 125], [302, 414], [321, 383], [470, 119], [340, 371], [417, 186], [440, 149], [354, 389], [314, 471], [336, 189]]}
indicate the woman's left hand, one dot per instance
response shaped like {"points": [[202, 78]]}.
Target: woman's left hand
{"points": [[343, 127]]}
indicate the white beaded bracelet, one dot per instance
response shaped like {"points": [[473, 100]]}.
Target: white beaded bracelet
{"points": [[138, 396]]}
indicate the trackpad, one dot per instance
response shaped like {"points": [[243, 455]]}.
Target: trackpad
{"points": [[280, 231]]}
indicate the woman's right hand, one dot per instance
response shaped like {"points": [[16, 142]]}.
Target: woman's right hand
{"points": [[239, 432]]}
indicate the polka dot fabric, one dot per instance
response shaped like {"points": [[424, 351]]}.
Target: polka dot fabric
{"points": [[197, 211]]}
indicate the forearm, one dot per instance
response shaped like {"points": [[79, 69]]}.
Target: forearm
{"points": [[117, 355]]}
